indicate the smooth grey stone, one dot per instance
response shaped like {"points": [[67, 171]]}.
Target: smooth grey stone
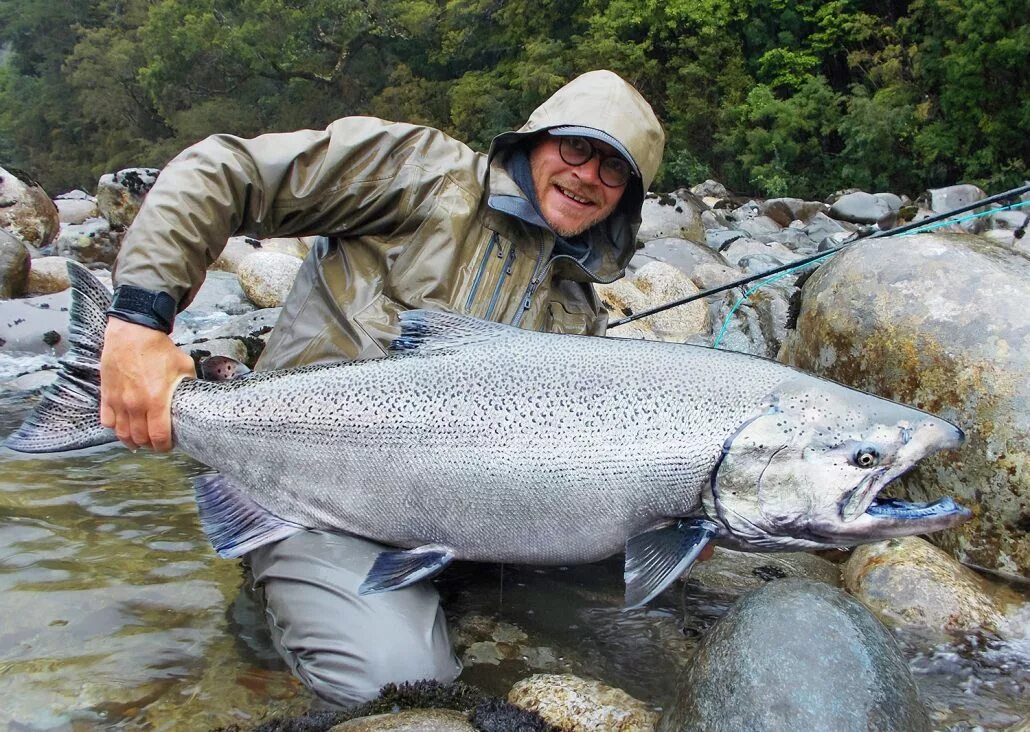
{"points": [[797, 655], [860, 208]]}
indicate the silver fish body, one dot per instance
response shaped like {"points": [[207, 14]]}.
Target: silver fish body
{"points": [[481, 441]]}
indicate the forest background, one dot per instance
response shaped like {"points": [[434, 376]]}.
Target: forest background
{"points": [[770, 97]]}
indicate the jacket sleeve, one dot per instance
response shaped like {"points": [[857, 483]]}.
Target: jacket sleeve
{"points": [[359, 176]]}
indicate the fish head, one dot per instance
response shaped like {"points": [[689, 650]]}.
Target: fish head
{"points": [[807, 470]]}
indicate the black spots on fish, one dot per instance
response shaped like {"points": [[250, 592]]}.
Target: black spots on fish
{"points": [[768, 573], [51, 338]]}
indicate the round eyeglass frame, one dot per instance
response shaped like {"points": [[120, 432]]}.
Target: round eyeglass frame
{"points": [[610, 165]]}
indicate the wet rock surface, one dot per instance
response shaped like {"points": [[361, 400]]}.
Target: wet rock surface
{"points": [[797, 654], [579, 705], [940, 322], [910, 582]]}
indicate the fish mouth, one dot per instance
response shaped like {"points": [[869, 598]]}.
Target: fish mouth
{"points": [[871, 516]]}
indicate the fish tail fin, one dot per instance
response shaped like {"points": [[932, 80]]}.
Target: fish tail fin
{"points": [[233, 523], [68, 417]]}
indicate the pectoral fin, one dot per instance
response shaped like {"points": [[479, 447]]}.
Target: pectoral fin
{"points": [[655, 559], [394, 570], [233, 522]]}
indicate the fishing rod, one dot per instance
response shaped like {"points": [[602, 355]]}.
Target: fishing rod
{"points": [[869, 233]]}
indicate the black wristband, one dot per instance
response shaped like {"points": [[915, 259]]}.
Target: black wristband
{"points": [[144, 307]]}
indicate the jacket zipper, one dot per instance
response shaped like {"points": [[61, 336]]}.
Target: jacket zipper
{"points": [[527, 299], [505, 273], [482, 268]]}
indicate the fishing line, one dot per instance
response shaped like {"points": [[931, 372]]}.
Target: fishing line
{"points": [[768, 281]]}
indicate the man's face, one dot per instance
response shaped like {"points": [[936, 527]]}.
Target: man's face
{"points": [[572, 198]]}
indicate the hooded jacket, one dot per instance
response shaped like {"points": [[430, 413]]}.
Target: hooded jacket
{"points": [[409, 218]]}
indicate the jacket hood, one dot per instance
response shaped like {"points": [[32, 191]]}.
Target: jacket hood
{"points": [[600, 100]]}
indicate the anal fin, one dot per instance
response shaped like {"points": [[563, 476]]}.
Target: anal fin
{"points": [[233, 522], [655, 559], [396, 569]]}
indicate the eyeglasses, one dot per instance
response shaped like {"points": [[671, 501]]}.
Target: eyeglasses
{"points": [[614, 170]]}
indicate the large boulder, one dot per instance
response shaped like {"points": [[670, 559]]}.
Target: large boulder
{"points": [[14, 266], [910, 582], [26, 210], [797, 654], [941, 322], [120, 195], [943, 200], [669, 216]]}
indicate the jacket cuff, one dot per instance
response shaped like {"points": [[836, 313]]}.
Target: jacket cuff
{"points": [[148, 308]]}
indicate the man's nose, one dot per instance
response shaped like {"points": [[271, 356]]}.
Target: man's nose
{"points": [[590, 171]]}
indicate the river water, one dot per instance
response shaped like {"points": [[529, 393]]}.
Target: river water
{"points": [[116, 614]]}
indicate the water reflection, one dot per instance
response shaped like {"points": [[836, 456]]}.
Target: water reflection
{"points": [[115, 610]]}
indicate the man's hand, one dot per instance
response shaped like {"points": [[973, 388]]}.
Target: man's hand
{"points": [[139, 368]]}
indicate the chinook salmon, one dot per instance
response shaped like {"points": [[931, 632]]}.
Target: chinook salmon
{"points": [[481, 441]]}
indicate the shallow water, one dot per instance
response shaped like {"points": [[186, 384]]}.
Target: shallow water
{"points": [[116, 614]]}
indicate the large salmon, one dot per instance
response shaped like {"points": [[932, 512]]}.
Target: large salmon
{"points": [[481, 441]]}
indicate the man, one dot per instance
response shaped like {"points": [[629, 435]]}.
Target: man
{"points": [[411, 219]]}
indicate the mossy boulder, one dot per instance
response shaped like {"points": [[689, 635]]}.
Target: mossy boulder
{"points": [[940, 322]]}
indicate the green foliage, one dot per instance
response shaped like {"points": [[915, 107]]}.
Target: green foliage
{"points": [[769, 96]]}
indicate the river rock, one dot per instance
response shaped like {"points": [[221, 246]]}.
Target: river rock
{"points": [[710, 189], [734, 573], [236, 248], [14, 266], [410, 720], [943, 200], [91, 242], [266, 277], [940, 322], [120, 195], [579, 705], [75, 207], [48, 275], [910, 582], [797, 209], [797, 654], [26, 211], [654, 284], [742, 248], [860, 208], [667, 216], [683, 254]]}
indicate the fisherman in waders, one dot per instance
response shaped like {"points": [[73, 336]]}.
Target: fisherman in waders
{"points": [[408, 218]]}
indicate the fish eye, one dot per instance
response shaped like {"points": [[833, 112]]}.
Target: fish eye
{"points": [[866, 457]]}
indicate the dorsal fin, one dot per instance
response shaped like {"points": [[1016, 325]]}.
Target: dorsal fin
{"points": [[431, 330]]}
